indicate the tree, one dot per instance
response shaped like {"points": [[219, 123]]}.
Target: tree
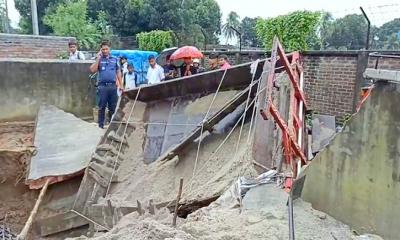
{"points": [[187, 18], [231, 21], [294, 30], [70, 19], [348, 32], [389, 35], [43, 6], [249, 34]]}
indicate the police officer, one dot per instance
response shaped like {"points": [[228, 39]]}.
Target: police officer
{"points": [[110, 79]]}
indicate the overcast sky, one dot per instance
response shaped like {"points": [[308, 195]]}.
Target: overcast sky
{"points": [[379, 11]]}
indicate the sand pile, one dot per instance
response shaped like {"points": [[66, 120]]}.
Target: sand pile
{"points": [[266, 222], [261, 218], [145, 227], [160, 180]]}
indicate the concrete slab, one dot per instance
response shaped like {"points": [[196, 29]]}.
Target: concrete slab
{"points": [[64, 144]]}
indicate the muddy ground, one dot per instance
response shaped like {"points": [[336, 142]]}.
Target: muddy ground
{"points": [[16, 200]]}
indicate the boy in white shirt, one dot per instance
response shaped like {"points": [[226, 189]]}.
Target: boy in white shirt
{"points": [[74, 54], [130, 77]]}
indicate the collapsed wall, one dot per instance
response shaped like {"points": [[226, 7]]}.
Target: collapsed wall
{"points": [[356, 178]]}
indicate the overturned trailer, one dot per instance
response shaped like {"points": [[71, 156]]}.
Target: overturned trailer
{"points": [[206, 129]]}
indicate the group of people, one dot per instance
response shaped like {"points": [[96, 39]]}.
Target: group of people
{"points": [[116, 75], [156, 73]]}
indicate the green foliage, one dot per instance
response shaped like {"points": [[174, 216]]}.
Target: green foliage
{"points": [[348, 33], [249, 34], [70, 19], [293, 30], [233, 20], [43, 7], [188, 18], [155, 40], [387, 34]]}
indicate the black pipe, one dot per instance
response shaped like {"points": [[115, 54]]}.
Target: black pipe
{"points": [[369, 28], [205, 38], [240, 38]]}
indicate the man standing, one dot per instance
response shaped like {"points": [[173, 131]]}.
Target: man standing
{"points": [[109, 78], [213, 61], [170, 70], [74, 54], [155, 73]]}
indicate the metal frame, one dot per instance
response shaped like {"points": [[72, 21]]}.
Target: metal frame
{"points": [[292, 130]]}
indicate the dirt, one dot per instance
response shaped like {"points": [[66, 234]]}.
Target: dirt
{"points": [[219, 221], [16, 200], [159, 181]]}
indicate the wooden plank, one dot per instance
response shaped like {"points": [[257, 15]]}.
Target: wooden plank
{"points": [[59, 223]]}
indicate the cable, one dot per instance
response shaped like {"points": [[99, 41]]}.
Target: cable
{"points": [[122, 141]]}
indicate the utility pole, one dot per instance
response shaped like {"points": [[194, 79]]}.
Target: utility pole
{"points": [[368, 29], [35, 24], [7, 28]]}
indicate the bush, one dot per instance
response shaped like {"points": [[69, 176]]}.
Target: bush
{"points": [[294, 30], [155, 40]]}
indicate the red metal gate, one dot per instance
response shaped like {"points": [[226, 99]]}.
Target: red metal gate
{"points": [[292, 130]]}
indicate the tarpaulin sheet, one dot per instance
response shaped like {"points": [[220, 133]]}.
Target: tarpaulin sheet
{"points": [[139, 59], [64, 143]]}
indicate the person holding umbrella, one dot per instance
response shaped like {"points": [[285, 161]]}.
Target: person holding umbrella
{"points": [[187, 68], [187, 53]]}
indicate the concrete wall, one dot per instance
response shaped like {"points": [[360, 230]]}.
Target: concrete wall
{"points": [[356, 179], [25, 84], [29, 46]]}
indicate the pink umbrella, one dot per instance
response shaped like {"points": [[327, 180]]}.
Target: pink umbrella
{"points": [[186, 52]]}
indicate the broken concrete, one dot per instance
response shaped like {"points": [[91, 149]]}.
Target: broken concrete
{"points": [[323, 130], [356, 178], [64, 144]]}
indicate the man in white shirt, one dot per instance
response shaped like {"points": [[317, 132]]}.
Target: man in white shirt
{"points": [[130, 78], [74, 54], [155, 73]]}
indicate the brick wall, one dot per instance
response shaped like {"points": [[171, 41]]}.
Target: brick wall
{"points": [[30, 46], [330, 78], [385, 63], [234, 56], [330, 83]]}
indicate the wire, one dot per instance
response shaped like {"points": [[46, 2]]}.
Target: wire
{"points": [[122, 142], [202, 125]]}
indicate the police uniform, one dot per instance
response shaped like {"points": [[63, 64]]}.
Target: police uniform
{"points": [[107, 87]]}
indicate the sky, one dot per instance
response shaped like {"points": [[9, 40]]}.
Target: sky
{"points": [[379, 11]]}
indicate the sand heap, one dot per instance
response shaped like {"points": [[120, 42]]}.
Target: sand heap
{"points": [[159, 181], [217, 222]]}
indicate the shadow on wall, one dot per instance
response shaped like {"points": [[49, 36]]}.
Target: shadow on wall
{"points": [[356, 179]]}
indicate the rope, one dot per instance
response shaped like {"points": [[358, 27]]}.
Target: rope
{"points": [[158, 123], [90, 220], [122, 142], [202, 125], [220, 145], [247, 103]]}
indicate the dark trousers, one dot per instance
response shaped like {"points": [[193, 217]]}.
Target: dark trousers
{"points": [[107, 98]]}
